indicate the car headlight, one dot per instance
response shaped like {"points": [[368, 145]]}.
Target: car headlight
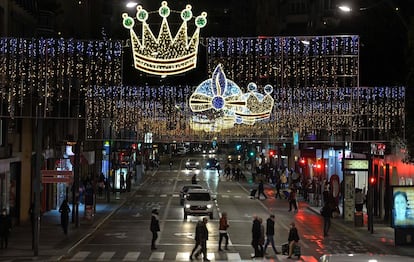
{"points": [[197, 163], [209, 206], [187, 205], [188, 163]]}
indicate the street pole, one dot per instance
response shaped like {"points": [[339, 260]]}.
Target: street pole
{"points": [[76, 182], [37, 184]]}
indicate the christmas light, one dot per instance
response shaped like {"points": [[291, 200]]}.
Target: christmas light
{"points": [[164, 55]]}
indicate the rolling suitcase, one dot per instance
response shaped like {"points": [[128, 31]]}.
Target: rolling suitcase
{"points": [[296, 250]]}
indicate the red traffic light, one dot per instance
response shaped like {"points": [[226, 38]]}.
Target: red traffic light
{"points": [[271, 152], [372, 180]]}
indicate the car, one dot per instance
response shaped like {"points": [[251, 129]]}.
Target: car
{"points": [[211, 163], [198, 202], [192, 164], [184, 190], [363, 257]]}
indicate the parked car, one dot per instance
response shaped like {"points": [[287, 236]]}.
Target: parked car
{"points": [[184, 190], [363, 258], [192, 164], [198, 202]]}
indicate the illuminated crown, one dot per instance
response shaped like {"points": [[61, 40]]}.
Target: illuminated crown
{"points": [[164, 55], [221, 94]]}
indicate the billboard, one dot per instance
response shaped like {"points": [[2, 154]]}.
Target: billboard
{"points": [[403, 206]]}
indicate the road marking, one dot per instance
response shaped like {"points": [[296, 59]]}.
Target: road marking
{"points": [[157, 256], [233, 257], [106, 256], [80, 256], [131, 256]]}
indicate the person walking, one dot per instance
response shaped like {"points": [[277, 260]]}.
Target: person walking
{"points": [[5, 228], [293, 238], [326, 212], [194, 179], [64, 211], [270, 232], [256, 232], [224, 224], [261, 190], [292, 200], [155, 228], [278, 187], [262, 237], [201, 237], [122, 182]]}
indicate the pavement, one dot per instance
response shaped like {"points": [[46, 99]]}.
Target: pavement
{"points": [[53, 244]]}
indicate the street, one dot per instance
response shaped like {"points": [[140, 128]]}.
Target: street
{"points": [[125, 236]]}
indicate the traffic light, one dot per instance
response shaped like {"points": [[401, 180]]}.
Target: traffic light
{"points": [[251, 153], [302, 162], [272, 153], [372, 180]]}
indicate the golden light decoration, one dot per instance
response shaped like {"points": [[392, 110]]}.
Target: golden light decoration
{"points": [[164, 55]]}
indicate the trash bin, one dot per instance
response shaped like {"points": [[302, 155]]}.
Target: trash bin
{"points": [[359, 219]]}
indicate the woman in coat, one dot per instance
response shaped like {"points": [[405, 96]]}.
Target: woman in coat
{"points": [[293, 238]]}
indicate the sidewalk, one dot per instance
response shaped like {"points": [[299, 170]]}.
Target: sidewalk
{"points": [[52, 242], [382, 236]]}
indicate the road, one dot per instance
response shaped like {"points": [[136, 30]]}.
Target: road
{"points": [[125, 236]]}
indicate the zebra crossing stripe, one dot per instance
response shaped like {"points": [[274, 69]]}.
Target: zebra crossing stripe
{"points": [[131, 256], [106, 256], [233, 257], [181, 256], [157, 256], [80, 256]]}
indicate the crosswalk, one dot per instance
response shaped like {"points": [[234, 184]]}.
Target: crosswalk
{"points": [[179, 256]]}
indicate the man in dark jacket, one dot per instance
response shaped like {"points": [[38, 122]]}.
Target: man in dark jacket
{"points": [[5, 228], [201, 237], [155, 228], [270, 232], [256, 234]]}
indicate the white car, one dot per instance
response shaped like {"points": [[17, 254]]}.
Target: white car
{"points": [[192, 164], [198, 202], [184, 190]]}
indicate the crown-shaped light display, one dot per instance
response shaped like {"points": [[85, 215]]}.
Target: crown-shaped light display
{"points": [[164, 55], [222, 94]]}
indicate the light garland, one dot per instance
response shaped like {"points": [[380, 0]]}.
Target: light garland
{"points": [[47, 72], [164, 55], [314, 89]]}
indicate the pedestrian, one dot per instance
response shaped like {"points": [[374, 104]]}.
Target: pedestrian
{"points": [[278, 186], [262, 237], [155, 228], [194, 179], [292, 200], [359, 199], [5, 228], [64, 216], [201, 237], [326, 212], [122, 182], [261, 190], [293, 238], [256, 232], [270, 232], [224, 224]]}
